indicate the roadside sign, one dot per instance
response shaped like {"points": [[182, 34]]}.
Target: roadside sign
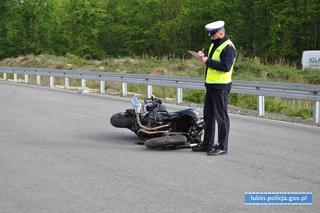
{"points": [[311, 59]]}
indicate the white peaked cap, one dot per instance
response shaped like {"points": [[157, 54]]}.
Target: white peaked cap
{"points": [[214, 27]]}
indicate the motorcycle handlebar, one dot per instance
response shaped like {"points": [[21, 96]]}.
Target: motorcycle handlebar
{"points": [[152, 100], [152, 103]]}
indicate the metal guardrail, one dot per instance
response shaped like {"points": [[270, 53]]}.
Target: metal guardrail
{"points": [[260, 89]]}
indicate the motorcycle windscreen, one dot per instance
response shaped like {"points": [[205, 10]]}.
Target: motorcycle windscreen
{"points": [[136, 104]]}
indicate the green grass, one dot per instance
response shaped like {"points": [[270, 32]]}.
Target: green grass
{"points": [[250, 69], [254, 70]]}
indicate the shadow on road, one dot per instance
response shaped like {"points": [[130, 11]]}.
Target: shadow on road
{"points": [[112, 138], [121, 139]]}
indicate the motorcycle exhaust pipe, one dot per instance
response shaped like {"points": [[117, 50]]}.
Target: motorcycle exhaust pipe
{"points": [[151, 133], [149, 128]]}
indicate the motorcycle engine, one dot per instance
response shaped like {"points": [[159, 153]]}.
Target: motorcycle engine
{"points": [[155, 119]]}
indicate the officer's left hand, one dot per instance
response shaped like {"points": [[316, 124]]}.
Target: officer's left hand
{"points": [[201, 54], [202, 57]]}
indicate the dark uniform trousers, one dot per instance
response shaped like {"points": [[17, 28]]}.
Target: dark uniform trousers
{"points": [[216, 109]]}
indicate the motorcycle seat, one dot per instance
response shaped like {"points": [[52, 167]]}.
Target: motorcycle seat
{"points": [[173, 114]]}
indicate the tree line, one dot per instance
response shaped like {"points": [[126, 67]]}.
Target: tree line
{"points": [[268, 29]]}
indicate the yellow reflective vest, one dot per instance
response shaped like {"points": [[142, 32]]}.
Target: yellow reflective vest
{"points": [[218, 76]]}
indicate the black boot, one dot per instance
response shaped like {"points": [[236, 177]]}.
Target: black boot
{"points": [[200, 148]]}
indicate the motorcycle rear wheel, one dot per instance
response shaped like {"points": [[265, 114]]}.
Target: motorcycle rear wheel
{"points": [[169, 141]]}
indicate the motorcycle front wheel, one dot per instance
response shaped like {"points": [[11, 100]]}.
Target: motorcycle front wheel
{"points": [[169, 141], [121, 120]]}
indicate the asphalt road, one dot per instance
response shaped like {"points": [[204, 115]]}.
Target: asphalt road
{"points": [[59, 153]]}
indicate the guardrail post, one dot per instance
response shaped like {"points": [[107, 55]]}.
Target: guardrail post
{"points": [[179, 97], [5, 76], [38, 80], [26, 78], [124, 89], [66, 83], [149, 94], [261, 105], [15, 77], [316, 112], [51, 81], [83, 85], [102, 87]]}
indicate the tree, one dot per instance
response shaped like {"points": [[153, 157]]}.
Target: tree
{"points": [[82, 23], [95, 28]]}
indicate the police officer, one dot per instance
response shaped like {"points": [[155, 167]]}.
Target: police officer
{"points": [[219, 67]]}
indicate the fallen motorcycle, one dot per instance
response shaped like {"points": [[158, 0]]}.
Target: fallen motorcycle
{"points": [[158, 128]]}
